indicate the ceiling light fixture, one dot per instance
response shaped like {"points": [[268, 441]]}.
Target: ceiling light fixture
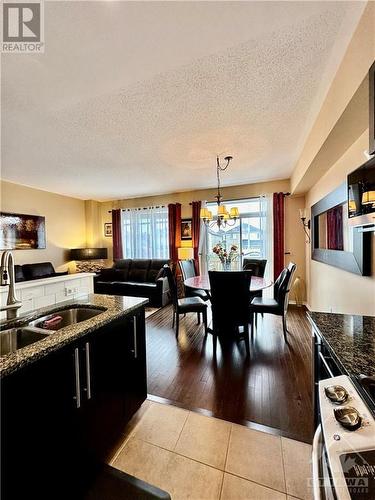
{"points": [[223, 217]]}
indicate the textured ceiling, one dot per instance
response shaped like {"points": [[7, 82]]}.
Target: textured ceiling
{"points": [[137, 98]]}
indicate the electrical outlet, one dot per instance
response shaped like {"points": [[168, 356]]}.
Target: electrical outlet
{"points": [[71, 290]]}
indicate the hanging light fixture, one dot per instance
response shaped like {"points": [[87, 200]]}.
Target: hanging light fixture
{"points": [[223, 217]]}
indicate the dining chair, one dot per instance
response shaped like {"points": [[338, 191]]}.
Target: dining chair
{"points": [[188, 271], [279, 304], [184, 305], [257, 268], [230, 302]]}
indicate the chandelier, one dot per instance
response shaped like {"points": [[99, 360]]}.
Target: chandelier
{"points": [[223, 217]]}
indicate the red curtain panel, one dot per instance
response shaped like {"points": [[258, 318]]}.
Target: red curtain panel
{"points": [[196, 229], [335, 232], [278, 233], [172, 230], [174, 225], [117, 234]]}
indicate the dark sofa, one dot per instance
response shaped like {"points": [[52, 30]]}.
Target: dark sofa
{"points": [[137, 278], [36, 271]]}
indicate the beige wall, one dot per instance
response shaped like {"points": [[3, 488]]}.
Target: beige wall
{"points": [[330, 288], [65, 222], [294, 237], [351, 73], [336, 146]]}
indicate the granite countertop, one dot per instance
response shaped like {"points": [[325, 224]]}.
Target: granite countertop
{"points": [[351, 340], [114, 307]]}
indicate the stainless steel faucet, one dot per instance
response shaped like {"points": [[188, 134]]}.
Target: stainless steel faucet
{"points": [[7, 277]]}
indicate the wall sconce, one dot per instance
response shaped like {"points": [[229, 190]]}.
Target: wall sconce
{"points": [[306, 225]]}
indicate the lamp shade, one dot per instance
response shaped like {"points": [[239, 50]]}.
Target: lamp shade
{"points": [[204, 213], [234, 212], [88, 253], [185, 253], [222, 210], [368, 197], [352, 206]]}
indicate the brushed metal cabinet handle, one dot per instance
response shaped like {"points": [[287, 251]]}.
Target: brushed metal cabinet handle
{"points": [[77, 397], [135, 337], [325, 364], [88, 370]]}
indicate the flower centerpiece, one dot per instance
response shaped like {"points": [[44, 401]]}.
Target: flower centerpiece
{"points": [[226, 257]]}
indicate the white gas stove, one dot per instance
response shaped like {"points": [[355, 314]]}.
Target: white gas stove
{"points": [[344, 444]]}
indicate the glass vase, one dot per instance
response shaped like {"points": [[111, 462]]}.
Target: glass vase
{"points": [[226, 266]]}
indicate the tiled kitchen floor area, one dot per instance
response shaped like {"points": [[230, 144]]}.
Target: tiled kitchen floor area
{"points": [[197, 457]]}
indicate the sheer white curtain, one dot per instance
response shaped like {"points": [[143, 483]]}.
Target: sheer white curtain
{"points": [[145, 233], [266, 225], [203, 245]]}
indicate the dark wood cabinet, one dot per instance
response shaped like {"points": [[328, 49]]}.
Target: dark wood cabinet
{"points": [[113, 373], [62, 413]]}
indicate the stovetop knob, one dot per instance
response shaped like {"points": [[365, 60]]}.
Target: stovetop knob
{"points": [[348, 417], [337, 394]]}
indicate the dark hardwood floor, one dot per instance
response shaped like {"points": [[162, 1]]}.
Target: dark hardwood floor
{"points": [[272, 387]]}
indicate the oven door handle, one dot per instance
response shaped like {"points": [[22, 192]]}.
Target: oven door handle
{"points": [[317, 448]]}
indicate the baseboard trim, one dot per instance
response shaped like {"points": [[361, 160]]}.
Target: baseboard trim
{"points": [[304, 303]]}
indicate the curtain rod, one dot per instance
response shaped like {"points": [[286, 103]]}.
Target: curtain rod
{"points": [[242, 199], [163, 206], [138, 208]]}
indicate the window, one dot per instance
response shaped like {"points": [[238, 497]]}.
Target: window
{"points": [[250, 232], [145, 233]]}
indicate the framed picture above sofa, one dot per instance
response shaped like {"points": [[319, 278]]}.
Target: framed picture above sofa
{"points": [[22, 232]]}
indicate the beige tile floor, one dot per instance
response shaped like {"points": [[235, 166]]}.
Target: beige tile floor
{"points": [[202, 458]]}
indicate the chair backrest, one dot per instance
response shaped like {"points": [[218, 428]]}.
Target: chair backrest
{"points": [[230, 298], [172, 284], [256, 266], [280, 280], [285, 285], [187, 268]]}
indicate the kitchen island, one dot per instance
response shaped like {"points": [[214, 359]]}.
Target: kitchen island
{"points": [[67, 398]]}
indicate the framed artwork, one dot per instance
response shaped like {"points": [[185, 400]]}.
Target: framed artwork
{"points": [[186, 233], [108, 229], [333, 241], [22, 232]]}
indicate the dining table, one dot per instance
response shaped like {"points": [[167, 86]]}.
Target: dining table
{"points": [[202, 282]]}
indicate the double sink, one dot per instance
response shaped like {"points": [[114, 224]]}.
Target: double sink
{"points": [[41, 327]]}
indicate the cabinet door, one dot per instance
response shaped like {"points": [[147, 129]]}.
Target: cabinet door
{"points": [[113, 381], [136, 364], [103, 356], [38, 427]]}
